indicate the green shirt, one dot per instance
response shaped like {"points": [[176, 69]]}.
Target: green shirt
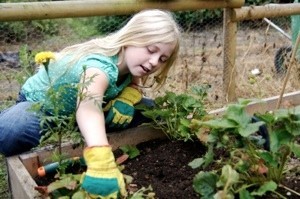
{"points": [[59, 87]]}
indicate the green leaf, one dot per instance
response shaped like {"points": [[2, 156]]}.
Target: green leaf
{"points": [[237, 113], [295, 149], [245, 102], [267, 186], [63, 197], [67, 182], [278, 138], [219, 124], [204, 183], [79, 195], [198, 162], [222, 195], [154, 114], [244, 194], [267, 117], [268, 158], [130, 150], [185, 122], [142, 192], [294, 128], [249, 129], [296, 110], [281, 114], [229, 176]]}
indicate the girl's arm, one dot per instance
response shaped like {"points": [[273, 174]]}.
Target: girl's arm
{"points": [[98, 155], [89, 115]]}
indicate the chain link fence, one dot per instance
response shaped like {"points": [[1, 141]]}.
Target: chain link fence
{"points": [[262, 52]]}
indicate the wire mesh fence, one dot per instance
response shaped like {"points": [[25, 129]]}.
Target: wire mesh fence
{"points": [[262, 58], [262, 52]]}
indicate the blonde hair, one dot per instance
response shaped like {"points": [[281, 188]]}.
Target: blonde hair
{"points": [[144, 28]]}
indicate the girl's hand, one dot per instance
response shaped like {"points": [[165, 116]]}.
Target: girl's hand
{"points": [[102, 179], [120, 111]]}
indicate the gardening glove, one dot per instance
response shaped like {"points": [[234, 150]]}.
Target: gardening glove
{"points": [[120, 110], [102, 179]]}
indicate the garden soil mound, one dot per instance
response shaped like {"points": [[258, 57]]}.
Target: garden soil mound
{"points": [[163, 164]]}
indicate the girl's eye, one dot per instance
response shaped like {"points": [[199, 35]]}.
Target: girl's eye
{"points": [[150, 50], [163, 59]]}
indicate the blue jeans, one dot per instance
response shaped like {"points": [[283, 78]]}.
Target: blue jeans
{"points": [[20, 128]]}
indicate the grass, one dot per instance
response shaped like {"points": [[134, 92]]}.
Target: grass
{"points": [[4, 190]]}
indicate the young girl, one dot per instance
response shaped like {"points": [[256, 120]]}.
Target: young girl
{"points": [[111, 69]]}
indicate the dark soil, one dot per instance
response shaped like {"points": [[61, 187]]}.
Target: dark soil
{"points": [[163, 164]]}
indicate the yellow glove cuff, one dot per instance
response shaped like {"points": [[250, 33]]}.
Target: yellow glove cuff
{"points": [[99, 157], [131, 94]]}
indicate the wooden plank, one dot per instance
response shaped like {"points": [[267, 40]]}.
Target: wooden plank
{"points": [[267, 104], [20, 182], [34, 159], [134, 136], [31, 163]]}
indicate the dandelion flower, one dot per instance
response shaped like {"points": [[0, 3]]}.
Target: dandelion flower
{"points": [[44, 57]]}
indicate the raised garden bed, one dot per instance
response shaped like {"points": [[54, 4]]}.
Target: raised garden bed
{"points": [[22, 169], [162, 163]]}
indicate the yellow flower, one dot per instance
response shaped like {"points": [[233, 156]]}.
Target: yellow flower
{"points": [[44, 57]]}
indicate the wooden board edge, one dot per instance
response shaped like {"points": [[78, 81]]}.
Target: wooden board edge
{"points": [[133, 136], [20, 180], [267, 104]]}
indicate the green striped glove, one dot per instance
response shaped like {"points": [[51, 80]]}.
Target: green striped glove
{"points": [[102, 179], [120, 110]]}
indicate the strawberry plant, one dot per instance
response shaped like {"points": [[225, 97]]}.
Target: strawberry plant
{"points": [[249, 170], [173, 113]]}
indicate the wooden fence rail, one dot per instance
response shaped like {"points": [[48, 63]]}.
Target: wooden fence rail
{"points": [[266, 11], [65, 9]]}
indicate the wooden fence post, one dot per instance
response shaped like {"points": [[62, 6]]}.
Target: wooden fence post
{"points": [[229, 52]]}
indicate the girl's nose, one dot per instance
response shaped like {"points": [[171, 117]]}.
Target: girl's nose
{"points": [[154, 60]]}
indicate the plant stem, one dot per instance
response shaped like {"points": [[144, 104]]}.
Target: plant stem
{"points": [[279, 195], [291, 190], [60, 145], [291, 63], [283, 163]]}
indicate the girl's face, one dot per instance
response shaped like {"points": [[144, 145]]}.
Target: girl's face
{"points": [[141, 61]]}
